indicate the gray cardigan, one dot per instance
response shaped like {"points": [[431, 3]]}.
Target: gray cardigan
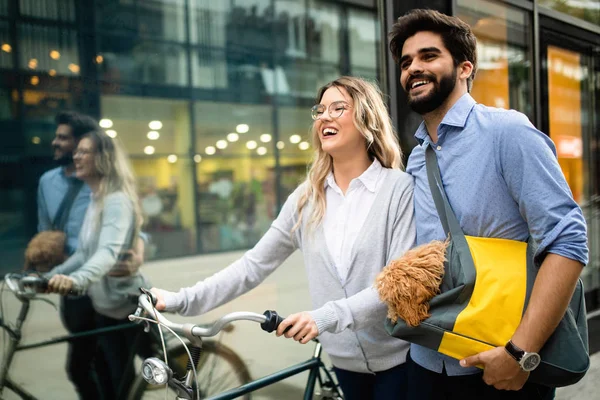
{"points": [[348, 314], [99, 247]]}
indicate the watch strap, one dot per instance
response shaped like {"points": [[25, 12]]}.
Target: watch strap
{"points": [[515, 352]]}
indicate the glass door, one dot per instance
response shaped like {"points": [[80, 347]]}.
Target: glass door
{"points": [[569, 89]]}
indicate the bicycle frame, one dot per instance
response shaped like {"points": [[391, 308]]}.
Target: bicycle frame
{"points": [[14, 346], [314, 365]]}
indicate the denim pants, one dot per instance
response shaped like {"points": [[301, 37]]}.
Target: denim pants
{"points": [[390, 384]]}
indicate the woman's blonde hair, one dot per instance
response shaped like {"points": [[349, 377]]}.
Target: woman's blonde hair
{"points": [[372, 120], [114, 169]]}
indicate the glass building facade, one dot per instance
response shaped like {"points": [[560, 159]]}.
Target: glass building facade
{"points": [[212, 98]]}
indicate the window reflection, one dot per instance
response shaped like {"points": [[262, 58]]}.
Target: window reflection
{"points": [[364, 43], [588, 10], [161, 165], [504, 66], [48, 49]]}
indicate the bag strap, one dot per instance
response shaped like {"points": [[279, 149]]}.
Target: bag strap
{"points": [[447, 216], [131, 235], [64, 209]]}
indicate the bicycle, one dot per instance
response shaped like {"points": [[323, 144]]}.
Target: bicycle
{"points": [[157, 372], [220, 368]]}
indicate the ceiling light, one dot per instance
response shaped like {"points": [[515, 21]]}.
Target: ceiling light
{"points": [[35, 80], [74, 68], [106, 123], [295, 138], [233, 137], [265, 138], [36, 140], [52, 72], [153, 135], [210, 150], [280, 145], [32, 64], [172, 158], [304, 146], [112, 133], [197, 158], [99, 59], [261, 151], [54, 54], [221, 144], [251, 145], [155, 125], [149, 150], [242, 128], [7, 48]]}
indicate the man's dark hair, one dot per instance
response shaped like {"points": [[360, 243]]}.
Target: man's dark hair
{"points": [[456, 35], [80, 123]]}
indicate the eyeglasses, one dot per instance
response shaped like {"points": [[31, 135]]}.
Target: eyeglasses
{"points": [[82, 152], [335, 110]]}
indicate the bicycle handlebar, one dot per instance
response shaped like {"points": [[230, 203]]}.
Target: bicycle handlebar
{"points": [[269, 321], [25, 285]]}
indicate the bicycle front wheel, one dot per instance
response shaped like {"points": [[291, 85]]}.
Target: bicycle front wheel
{"points": [[218, 370]]}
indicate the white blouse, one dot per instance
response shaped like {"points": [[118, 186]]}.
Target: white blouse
{"points": [[346, 215]]}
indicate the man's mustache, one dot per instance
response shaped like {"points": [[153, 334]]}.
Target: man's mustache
{"points": [[420, 77]]}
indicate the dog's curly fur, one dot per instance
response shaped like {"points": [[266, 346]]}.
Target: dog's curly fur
{"points": [[45, 251], [408, 283]]}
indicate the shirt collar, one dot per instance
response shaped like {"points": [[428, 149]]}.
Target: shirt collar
{"points": [[368, 178], [456, 116]]}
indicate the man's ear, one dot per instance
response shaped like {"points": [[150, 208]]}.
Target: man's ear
{"points": [[465, 70]]}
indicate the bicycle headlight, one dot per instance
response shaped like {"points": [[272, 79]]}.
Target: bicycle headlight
{"points": [[155, 371]]}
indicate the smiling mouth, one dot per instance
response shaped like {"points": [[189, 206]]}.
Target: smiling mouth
{"points": [[417, 84], [329, 132]]}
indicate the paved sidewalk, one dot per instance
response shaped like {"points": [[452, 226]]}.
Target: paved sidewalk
{"points": [[41, 371]]}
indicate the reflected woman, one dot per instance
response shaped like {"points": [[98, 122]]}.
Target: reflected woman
{"points": [[112, 221]]}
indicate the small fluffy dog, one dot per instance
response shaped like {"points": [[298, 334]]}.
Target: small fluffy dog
{"points": [[45, 251], [408, 283]]}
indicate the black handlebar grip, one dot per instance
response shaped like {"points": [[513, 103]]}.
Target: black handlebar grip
{"points": [[272, 322]]}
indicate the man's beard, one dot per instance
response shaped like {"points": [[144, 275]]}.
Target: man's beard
{"points": [[65, 160], [436, 97]]}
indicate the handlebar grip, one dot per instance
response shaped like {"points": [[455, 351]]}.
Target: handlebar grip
{"points": [[272, 322]]}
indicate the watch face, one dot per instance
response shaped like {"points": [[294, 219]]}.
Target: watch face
{"points": [[530, 361]]}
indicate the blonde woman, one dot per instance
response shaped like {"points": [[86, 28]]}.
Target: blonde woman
{"points": [[351, 217], [111, 222]]}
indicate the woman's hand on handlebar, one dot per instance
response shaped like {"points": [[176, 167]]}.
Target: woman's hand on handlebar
{"points": [[160, 300], [303, 327], [60, 284]]}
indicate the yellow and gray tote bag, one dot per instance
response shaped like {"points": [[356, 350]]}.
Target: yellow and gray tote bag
{"points": [[484, 293]]}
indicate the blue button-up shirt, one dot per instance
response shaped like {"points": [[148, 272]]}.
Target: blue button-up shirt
{"points": [[503, 180], [52, 188]]}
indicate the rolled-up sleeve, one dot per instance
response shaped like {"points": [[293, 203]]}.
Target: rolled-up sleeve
{"points": [[527, 160]]}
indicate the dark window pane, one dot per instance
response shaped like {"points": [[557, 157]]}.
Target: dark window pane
{"points": [[131, 59], [60, 10], [48, 49]]}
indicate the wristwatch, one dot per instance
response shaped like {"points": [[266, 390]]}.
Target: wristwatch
{"points": [[527, 361]]}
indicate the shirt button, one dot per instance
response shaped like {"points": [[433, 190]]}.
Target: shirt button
{"points": [[439, 147]]}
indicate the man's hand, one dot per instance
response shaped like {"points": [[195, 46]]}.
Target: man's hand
{"points": [[499, 369], [60, 284], [130, 261], [303, 327]]}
